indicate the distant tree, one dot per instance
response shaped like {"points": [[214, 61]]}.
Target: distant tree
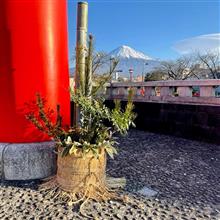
{"points": [[211, 61], [99, 59], [155, 75], [121, 79], [180, 69], [101, 80]]}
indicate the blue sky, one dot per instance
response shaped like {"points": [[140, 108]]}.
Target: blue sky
{"points": [[151, 26]]}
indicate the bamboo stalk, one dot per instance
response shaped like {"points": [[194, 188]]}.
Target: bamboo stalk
{"points": [[81, 47]]}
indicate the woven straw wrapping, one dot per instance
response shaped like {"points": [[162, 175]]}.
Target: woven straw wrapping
{"points": [[76, 171]]}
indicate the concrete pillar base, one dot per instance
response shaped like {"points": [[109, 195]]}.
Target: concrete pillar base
{"points": [[27, 161]]}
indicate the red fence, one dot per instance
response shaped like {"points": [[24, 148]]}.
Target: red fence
{"points": [[198, 92]]}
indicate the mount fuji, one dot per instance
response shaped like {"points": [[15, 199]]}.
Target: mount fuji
{"points": [[132, 59], [128, 59], [127, 52]]}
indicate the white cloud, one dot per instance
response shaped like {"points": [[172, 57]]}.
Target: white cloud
{"points": [[202, 43]]}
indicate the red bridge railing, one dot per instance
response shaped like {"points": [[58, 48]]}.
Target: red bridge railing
{"points": [[198, 92]]}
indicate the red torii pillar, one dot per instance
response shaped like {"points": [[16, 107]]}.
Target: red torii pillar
{"points": [[33, 58]]}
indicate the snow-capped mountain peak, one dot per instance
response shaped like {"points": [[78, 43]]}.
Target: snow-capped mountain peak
{"points": [[128, 52]]}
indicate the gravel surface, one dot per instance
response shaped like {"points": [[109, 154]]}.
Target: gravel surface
{"points": [[185, 173]]}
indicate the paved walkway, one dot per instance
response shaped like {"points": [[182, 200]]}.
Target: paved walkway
{"points": [[185, 173]]}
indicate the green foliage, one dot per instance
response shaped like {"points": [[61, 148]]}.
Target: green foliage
{"points": [[41, 118], [97, 122], [155, 76]]}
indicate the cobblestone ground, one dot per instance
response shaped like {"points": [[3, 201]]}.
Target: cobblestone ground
{"points": [[185, 173]]}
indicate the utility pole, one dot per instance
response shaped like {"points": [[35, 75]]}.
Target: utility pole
{"points": [[111, 60], [81, 46], [110, 69]]}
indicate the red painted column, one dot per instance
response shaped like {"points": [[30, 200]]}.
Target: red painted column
{"points": [[33, 58]]}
